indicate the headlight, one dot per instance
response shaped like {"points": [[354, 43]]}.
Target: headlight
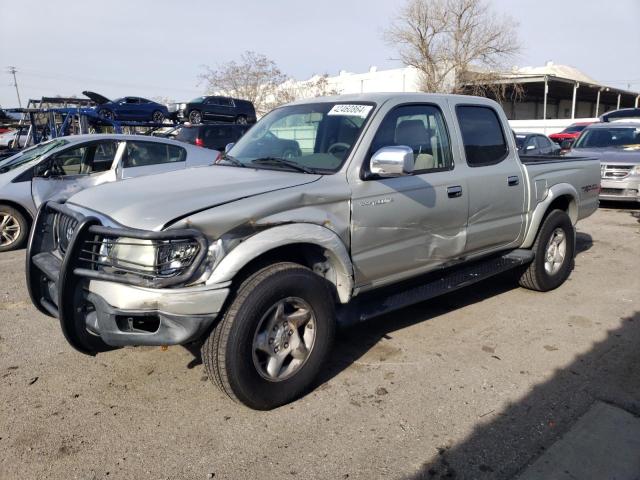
{"points": [[153, 258]]}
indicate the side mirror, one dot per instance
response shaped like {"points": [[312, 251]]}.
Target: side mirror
{"points": [[228, 147], [392, 161], [566, 144], [530, 147]]}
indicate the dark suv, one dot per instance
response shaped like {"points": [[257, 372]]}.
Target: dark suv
{"points": [[215, 136], [218, 109]]}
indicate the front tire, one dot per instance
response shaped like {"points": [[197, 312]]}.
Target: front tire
{"points": [[274, 337], [195, 117], [157, 116], [14, 228], [554, 250], [106, 114]]}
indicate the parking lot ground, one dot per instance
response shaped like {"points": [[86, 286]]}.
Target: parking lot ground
{"points": [[476, 384]]}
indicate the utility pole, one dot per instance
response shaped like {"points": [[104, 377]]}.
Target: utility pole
{"points": [[12, 71]]}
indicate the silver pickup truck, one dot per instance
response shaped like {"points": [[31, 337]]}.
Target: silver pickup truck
{"points": [[327, 212]]}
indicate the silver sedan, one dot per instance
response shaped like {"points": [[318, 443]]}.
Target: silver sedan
{"points": [[57, 169]]}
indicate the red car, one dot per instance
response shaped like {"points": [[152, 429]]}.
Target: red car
{"points": [[572, 132]]}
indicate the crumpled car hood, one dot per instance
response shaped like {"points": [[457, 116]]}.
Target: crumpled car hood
{"points": [[630, 154], [152, 202]]}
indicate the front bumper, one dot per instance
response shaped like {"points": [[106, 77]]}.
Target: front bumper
{"points": [[627, 190], [91, 308]]}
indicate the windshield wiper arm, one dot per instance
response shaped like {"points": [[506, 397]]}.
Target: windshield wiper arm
{"points": [[282, 161], [233, 160]]}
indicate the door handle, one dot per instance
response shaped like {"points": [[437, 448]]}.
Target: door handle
{"points": [[454, 191], [513, 181]]}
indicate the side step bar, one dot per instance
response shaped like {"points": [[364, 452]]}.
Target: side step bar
{"points": [[379, 302]]}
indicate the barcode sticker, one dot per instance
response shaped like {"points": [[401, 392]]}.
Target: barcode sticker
{"points": [[351, 110]]}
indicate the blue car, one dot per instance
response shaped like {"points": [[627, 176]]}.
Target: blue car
{"points": [[129, 108]]}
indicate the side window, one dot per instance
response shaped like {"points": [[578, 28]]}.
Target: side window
{"points": [[213, 101], [132, 100], [69, 162], [423, 129], [543, 142], [103, 156], [531, 143], [142, 154], [482, 135]]}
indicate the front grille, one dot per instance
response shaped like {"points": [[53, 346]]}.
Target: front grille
{"points": [[150, 259], [64, 229], [615, 172]]}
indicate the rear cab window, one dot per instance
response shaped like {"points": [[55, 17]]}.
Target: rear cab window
{"points": [[482, 135]]}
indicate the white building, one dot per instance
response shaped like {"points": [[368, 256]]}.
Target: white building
{"points": [[551, 92]]}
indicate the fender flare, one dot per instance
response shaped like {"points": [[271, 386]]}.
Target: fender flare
{"points": [[553, 193], [289, 234]]}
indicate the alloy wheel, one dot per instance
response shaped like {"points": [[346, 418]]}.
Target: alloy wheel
{"points": [[284, 339], [9, 229]]}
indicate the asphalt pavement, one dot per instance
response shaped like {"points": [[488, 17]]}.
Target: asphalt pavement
{"points": [[477, 384]]}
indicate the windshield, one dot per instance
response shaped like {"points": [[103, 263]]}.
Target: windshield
{"points": [[574, 128], [609, 137], [29, 155], [197, 100], [314, 137]]}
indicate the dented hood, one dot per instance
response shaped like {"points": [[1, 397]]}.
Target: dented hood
{"points": [[152, 202]]}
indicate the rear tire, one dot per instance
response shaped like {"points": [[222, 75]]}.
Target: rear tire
{"points": [[14, 228], [241, 120], [554, 250], [248, 355]]}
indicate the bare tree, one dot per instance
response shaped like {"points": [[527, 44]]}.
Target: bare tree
{"points": [[453, 43], [254, 77]]}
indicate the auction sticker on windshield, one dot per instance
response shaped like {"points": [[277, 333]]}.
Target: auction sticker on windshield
{"points": [[351, 110]]}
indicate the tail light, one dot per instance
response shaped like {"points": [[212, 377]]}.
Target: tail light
{"points": [[199, 142]]}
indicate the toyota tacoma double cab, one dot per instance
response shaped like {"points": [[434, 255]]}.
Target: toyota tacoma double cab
{"points": [[387, 200]]}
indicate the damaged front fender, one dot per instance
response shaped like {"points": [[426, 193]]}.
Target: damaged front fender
{"points": [[340, 272]]}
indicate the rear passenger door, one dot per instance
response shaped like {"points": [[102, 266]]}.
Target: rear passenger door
{"points": [[146, 158], [495, 180]]}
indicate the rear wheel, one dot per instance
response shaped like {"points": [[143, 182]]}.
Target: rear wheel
{"points": [[554, 249], [274, 338], [14, 228], [241, 120]]}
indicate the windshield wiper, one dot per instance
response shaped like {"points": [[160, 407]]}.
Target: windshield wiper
{"points": [[233, 160], [282, 161]]}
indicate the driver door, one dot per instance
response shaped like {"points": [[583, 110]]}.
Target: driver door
{"points": [[410, 224], [74, 169]]}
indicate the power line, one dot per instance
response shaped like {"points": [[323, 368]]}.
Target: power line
{"points": [[12, 71]]}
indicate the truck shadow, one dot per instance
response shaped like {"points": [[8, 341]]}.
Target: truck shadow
{"points": [[506, 441], [354, 341]]}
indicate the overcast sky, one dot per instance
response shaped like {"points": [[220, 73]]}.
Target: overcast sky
{"points": [[156, 48]]}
